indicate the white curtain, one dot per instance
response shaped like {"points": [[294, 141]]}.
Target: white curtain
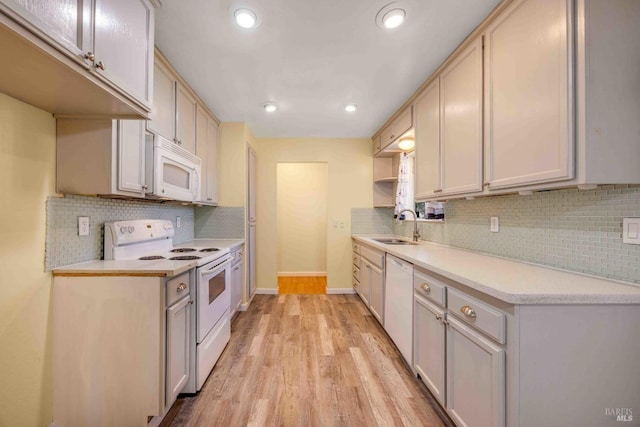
{"points": [[404, 195]]}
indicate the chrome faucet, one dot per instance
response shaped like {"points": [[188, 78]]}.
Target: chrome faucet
{"points": [[416, 234]]}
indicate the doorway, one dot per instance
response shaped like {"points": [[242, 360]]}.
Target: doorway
{"points": [[302, 227]]}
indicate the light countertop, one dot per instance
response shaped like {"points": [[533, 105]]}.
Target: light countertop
{"points": [[508, 280], [160, 268]]}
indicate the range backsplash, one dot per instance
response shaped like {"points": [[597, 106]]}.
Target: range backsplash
{"points": [[64, 246], [219, 222], [570, 229]]}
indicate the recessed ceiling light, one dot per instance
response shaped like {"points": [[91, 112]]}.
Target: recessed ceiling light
{"points": [[270, 107], [394, 18], [350, 108], [406, 144], [245, 18]]}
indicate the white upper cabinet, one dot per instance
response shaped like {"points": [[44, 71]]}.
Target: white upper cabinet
{"points": [[60, 20], [207, 150], [185, 119], [163, 111], [529, 132], [113, 39], [131, 157], [461, 122], [123, 45], [427, 128]]}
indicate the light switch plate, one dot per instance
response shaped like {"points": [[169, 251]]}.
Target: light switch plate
{"points": [[631, 231], [495, 224], [83, 226]]}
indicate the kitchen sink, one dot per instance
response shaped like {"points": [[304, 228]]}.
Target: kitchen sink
{"points": [[394, 242]]}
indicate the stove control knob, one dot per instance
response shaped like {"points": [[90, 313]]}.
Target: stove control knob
{"points": [[131, 229], [123, 229]]}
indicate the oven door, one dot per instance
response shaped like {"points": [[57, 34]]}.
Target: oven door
{"points": [[213, 294]]}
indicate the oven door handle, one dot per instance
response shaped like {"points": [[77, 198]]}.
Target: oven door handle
{"points": [[217, 267]]}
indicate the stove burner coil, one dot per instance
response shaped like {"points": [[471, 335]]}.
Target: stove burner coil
{"points": [[184, 257], [180, 250], [150, 257], [209, 250]]}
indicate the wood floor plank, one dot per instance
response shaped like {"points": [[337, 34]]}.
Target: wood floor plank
{"points": [[308, 360]]}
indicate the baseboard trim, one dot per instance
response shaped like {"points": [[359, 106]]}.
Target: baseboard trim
{"points": [[266, 291], [302, 274], [340, 291]]}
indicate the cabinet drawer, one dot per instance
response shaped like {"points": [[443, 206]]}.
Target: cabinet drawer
{"points": [[376, 257], [177, 288], [356, 272], [356, 247], [356, 260], [473, 312], [429, 288]]}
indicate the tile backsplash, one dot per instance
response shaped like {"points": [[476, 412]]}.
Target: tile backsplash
{"points": [[219, 222], [570, 229], [372, 220], [64, 246]]}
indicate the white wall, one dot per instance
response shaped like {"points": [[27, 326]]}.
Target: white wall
{"points": [[302, 218], [27, 178], [349, 186]]}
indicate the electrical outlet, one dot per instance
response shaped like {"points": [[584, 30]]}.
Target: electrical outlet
{"points": [[495, 224], [178, 222], [83, 226]]}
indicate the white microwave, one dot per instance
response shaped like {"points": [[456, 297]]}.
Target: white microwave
{"points": [[175, 172]]}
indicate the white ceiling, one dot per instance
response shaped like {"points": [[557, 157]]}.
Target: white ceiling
{"points": [[311, 57]]}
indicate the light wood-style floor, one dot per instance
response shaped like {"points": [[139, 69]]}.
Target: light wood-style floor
{"points": [[302, 285], [308, 360]]}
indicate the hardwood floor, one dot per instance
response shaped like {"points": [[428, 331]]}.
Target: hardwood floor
{"points": [[308, 360], [302, 285]]}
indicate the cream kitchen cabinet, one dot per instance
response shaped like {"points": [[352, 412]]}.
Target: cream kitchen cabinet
{"points": [[101, 157], [163, 111], [104, 68], [402, 124], [372, 280], [178, 344], [186, 106], [429, 346], [448, 129], [529, 121], [427, 128], [175, 107], [461, 123], [207, 150]]}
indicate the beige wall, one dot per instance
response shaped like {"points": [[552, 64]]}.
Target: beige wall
{"points": [[349, 185], [27, 177], [302, 218]]}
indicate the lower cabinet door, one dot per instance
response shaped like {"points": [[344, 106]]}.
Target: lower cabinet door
{"points": [[365, 282], [429, 346], [236, 287], [376, 292], [475, 378], [178, 325]]}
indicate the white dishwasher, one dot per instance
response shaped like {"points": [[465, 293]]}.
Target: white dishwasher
{"points": [[398, 305]]}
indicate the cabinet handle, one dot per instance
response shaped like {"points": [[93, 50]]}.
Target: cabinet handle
{"points": [[175, 140], [426, 287], [181, 287], [190, 301], [438, 317], [209, 198], [486, 184], [438, 190], [468, 311], [237, 268], [144, 187], [90, 56], [392, 136], [101, 65]]}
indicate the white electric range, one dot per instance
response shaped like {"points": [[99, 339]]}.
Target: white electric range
{"points": [[152, 240]]}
